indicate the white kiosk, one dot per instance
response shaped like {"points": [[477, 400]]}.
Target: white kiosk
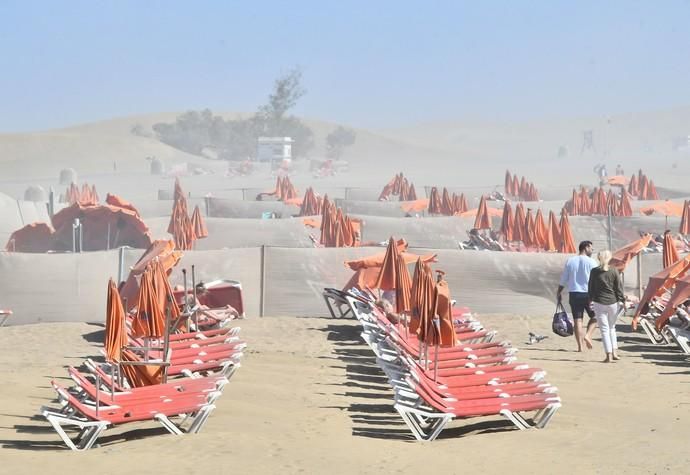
{"points": [[276, 150]]}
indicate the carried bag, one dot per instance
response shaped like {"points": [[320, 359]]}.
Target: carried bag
{"points": [[562, 325]]}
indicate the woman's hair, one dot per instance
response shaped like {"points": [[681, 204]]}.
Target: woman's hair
{"points": [[604, 257]]}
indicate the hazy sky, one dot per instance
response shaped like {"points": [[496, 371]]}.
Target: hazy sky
{"points": [[369, 63]]}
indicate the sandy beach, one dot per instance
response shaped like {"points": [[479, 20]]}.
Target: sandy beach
{"points": [[309, 398]]}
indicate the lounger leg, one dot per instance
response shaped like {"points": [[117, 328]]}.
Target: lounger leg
{"points": [[548, 414], [516, 421], [87, 436], [201, 418], [168, 424]]}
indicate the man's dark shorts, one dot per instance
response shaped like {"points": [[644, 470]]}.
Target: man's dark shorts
{"points": [[579, 304]]}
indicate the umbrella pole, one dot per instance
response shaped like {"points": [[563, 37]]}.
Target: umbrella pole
{"points": [[166, 339], [437, 327], [436, 361], [107, 239], [196, 314], [639, 275], [184, 280]]}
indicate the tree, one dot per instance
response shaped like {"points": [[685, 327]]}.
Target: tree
{"points": [[337, 140], [237, 139]]}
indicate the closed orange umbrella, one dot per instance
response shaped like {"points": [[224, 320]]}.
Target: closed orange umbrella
{"points": [[161, 251], [685, 219], [115, 332], [670, 254], [327, 224], [644, 188], [567, 245], [403, 287], [482, 221], [553, 233], [529, 237], [149, 319], [633, 186], [389, 267], [574, 204], [540, 229], [434, 202], [442, 308], [651, 191], [621, 257], [200, 230], [508, 183], [519, 223], [625, 208], [404, 190], [422, 303], [446, 203], [507, 222], [395, 276], [412, 193], [516, 186]]}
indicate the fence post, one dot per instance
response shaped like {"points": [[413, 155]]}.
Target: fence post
{"points": [[262, 293]]}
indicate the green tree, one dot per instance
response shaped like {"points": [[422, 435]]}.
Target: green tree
{"points": [[337, 140]]}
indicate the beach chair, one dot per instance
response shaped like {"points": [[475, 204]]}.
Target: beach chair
{"points": [[426, 423], [4, 315], [91, 420]]}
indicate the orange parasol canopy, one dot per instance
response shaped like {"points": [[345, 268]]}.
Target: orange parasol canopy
{"points": [[621, 257], [415, 206], [116, 201], [681, 293], [661, 281], [617, 180], [666, 208], [35, 237]]}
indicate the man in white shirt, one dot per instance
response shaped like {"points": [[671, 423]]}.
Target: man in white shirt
{"points": [[575, 278]]}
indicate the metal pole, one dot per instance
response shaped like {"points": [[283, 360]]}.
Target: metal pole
{"points": [[639, 275], [610, 218], [166, 338], [196, 322], [185, 308], [121, 266], [437, 327], [262, 293], [207, 205], [107, 240], [51, 202]]}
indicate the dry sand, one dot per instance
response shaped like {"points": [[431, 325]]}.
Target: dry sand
{"points": [[310, 399]]}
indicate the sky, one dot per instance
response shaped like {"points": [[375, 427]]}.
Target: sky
{"points": [[368, 64]]}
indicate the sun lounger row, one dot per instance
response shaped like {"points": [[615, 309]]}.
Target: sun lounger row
{"points": [[435, 385]]}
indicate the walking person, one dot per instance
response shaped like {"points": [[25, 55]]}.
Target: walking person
{"points": [[606, 293], [575, 278]]}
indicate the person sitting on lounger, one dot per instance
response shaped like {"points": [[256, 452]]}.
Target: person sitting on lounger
{"points": [[387, 304]]}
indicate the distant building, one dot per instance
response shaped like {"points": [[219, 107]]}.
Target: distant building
{"points": [[274, 149]]}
